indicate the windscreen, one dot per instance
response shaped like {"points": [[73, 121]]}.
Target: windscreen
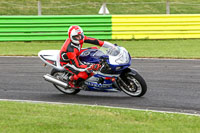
{"points": [[109, 49]]}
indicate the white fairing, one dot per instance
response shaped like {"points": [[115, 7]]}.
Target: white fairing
{"points": [[51, 57], [121, 58], [117, 55]]}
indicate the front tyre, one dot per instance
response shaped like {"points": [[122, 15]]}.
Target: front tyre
{"points": [[69, 91], [132, 84]]}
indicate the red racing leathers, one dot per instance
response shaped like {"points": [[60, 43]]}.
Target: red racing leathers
{"points": [[69, 58]]}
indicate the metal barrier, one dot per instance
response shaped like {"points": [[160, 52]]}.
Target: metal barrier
{"points": [[28, 28], [155, 26]]}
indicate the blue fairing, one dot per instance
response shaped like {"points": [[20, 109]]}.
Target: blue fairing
{"points": [[92, 56], [89, 57], [107, 85]]}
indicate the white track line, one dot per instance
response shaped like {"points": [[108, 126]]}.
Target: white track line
{"points": [[31, 101]]}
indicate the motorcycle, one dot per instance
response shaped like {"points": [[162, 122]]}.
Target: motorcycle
{"points": [[115, 75]]}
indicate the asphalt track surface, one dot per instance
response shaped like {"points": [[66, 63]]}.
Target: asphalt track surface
{"points": [[173, 85]]}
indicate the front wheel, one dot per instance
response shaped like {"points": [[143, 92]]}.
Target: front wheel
{"points": [[132, 84], [69, 91]]}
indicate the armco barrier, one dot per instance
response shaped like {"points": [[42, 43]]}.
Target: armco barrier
{"points": [[28, 28], [155, 26]]}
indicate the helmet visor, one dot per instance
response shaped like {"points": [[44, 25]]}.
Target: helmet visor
{"points": [[78, 37]]}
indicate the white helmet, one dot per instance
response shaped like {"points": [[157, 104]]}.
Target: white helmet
{"points": [[75, 34]]}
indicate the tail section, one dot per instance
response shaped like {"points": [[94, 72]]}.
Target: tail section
{"points": [[51, 57]]}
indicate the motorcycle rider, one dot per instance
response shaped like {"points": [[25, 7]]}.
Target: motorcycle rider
{"points": [[69, 56]]}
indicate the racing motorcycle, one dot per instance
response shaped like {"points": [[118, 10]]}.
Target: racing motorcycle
{"points": [[115, 75]]}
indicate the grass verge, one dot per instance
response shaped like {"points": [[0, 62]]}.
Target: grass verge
{"points": [[72, 7], [143, 48], [21, 117]]}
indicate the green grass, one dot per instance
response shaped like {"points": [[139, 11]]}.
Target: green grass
{"points": [[143, 48], [17, 117], [27, 48], [163, 48], [76, 7]]}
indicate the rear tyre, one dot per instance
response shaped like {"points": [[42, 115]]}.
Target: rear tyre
{"points": [[68, 91], [132, 84]]}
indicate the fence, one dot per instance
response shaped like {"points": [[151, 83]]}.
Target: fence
{"points": [[28, 28], [73, 7]]}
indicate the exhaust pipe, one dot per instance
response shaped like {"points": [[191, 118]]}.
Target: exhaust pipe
{"points": [[53, 80]]}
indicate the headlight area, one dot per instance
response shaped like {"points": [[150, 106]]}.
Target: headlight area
{"points": [[123, 59]]}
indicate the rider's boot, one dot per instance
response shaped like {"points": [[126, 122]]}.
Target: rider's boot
{"points": [[77, 81], [72, 82]]}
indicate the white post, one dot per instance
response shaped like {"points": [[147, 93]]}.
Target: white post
{"points": [[39, 8], [167, 6], [104, 8]]}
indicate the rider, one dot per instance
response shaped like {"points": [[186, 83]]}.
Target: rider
{"points": [[69, 55]]}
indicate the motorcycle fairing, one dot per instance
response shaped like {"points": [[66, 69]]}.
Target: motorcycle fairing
{"points": [[106, 86], [89, 56], [51, 57]]}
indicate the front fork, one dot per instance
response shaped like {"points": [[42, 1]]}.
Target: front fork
{"points": [[115, 83], [119, 79]]}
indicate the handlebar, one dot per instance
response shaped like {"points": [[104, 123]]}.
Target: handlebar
{"points": [[104, 64], [103, 60]]}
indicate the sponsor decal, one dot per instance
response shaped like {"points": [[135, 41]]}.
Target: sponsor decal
{"points": [[98, 85]]}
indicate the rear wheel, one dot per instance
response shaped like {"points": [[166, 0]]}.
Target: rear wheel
{"points": [[70, 91], [132, 84]]}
